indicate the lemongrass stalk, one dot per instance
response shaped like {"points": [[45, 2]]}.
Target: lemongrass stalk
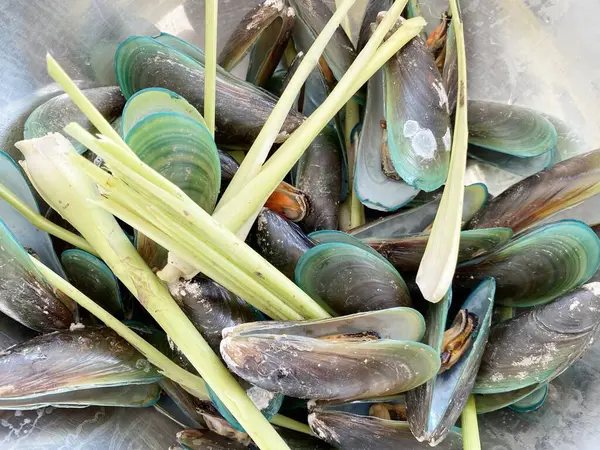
{"points": [[200, 228], [247, 203], [165, 366], [290, 424], [210, 62], [470, 430], [77, 97], [42, 223], [69, 191], [261, 146], [441, 254], [345, 21]]}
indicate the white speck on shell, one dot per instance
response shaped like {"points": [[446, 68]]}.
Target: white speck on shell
{"points": [[411, 127], [424, 144], [447, 140], [594, 288], [443, 96]]}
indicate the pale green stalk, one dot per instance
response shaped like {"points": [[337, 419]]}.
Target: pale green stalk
{"points": [[42, 223], [352, 117], [366, 64], [261, 146], [441, 254], [210, 62], [194, 384], [69, 191], [470, 430], [208, 236], [290, 424]]}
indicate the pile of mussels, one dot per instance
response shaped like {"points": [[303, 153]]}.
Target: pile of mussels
{"points": [[389, 370]]}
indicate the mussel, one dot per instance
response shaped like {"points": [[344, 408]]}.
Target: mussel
{"points": [[405, 253], [368, 424], [349, 279], [25, 295], [59, 111], [417, 116], [542, 195], [434, 407], [264, 31], [537, 345], [241, 109], [358, 356], [66, 361], [537, 266]]}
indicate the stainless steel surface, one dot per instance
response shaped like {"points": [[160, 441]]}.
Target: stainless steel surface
{"points": [[538, 53]]}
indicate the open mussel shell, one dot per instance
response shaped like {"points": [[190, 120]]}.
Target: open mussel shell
{"points": [[510, 129], [434, 407], [289, 201], [313, 15], [29, 236], [352, 426], [265, 30], [349, 279], [211, 307], [58, 112], [93, 277], [25, 295], [280, 241], [531, 402], [536, 266], [66, 361], [416, 220], [540, 196], [319, 176], [539, 344], [241, 108], [487, 403], [405, 253], [129, 396], [417, 117], [373, 188], [358, 356]]}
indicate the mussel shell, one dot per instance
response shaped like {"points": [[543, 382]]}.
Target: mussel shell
{"points": [[487, 403], [29, 236], [433, 408], [280, 241], [405, 253], [212, 308], [314, 15], [58, 112], [417, 116], [319, 176], [93, 277], [265, 30], [450, 72], [182, 405], [327, 236], [349, 426], [539, 344], [523, 167], [12, 332], [510, 129], [350, 279], [25, 295], [289, 357], [131, 396], [372, 187], [70, 360], [536, 266], [416, 220], [542, 195], [241, 108]]}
